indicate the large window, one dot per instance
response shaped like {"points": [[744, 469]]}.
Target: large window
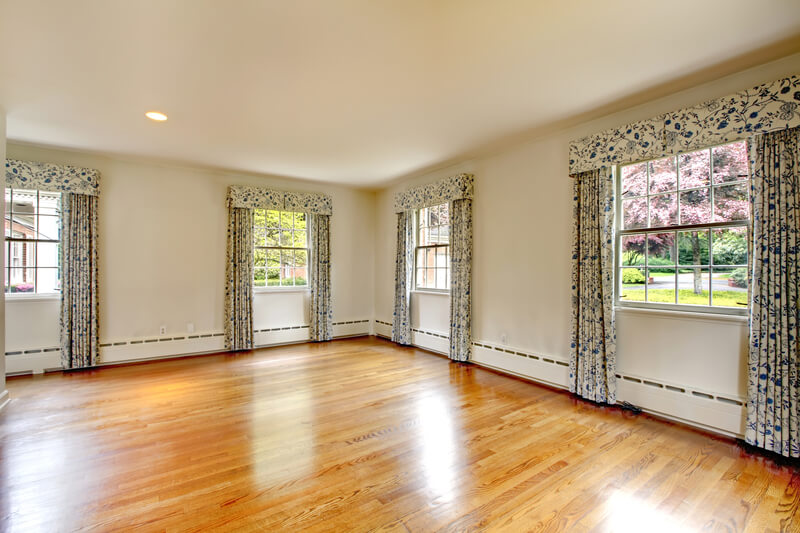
{"points": [[281, 248], [433, 248], [33, 241], [683, 237]]}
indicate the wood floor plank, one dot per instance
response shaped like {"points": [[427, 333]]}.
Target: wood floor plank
{"points": [[361, 435]]}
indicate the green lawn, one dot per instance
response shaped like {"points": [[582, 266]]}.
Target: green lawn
{"points": [[687, 296]]}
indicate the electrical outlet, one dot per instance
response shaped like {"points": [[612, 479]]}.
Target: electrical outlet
{"points": [[162, 330], [503, 338], [190, 327]]}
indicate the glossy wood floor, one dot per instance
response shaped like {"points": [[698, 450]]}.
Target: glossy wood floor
{"points": [[359, 435]]}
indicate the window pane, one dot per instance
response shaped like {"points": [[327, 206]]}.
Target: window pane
{"points": [[661, 285], [47, 254], [693, 286], [260, 257], [273, 219], [47, 280], [663, 210], [693, 247], [49, 203], [434, 235], [441, 278], [420, 277], [258, 238], [259, 277], [300, 258], [300, 221], [287, 259], [259, 218], [24, 202], [430, 257], [434, 215], [695, 207], [729, 287], [273, 258], [633, 250], [695, 169], [663, 175], [441, 258], [730, 246], [420, 258], [23, 226], [272, 238], [634, 213], [430, 277], [730, 162], [299, 238], [49, 227], [287, 219], [632, 283], [273, 277], [301, 276], [22, 254], [21, 280], [286, 238], [423, 237], [634, 180], [444, 234], [423, 217], [660, 249], [731, 203]]}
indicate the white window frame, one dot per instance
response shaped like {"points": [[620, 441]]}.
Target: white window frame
{"points": [[621, 303], [11, 241], [286, 288], [417, 247]]}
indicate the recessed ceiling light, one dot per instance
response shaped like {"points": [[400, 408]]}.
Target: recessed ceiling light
{"points": [[156, 115]]}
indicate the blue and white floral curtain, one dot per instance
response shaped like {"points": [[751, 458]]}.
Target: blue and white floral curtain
{"points": [[79, 297], [403, 276], [321, 328], [773, 392], [239, 280], [593, 347], [79, 314], [461, 279]]}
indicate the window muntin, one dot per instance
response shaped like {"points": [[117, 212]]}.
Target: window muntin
{"points": [[432, 254], [281, 248], [683, 237], [33, 241]]}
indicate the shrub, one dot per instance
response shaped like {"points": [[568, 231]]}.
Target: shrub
{"points": [[739, 277], [632, 275], [658, 261]]}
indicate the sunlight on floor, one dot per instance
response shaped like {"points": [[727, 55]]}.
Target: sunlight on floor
{"points": [[438, 447], [628, 514]]}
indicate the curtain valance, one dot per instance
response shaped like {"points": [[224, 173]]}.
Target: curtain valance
{"points": [[263, 198], [50, 177], [769, 107], [456, 187]]}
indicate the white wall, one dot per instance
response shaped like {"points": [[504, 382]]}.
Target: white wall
{"points": [[521, 275], [3, 392], [162, 252]]}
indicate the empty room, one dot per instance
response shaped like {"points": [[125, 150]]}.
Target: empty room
{"points": [[400, 265]]}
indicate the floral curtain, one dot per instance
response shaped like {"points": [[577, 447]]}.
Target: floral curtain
{"points": [[79, 309], [593, 346], [239, 280], [321, 310], [460, 279], [404, 270], [773, 404]]}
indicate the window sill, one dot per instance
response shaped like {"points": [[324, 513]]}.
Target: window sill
{"points": [[429, 291], [262, 290], [10, 297], [680, 314]]}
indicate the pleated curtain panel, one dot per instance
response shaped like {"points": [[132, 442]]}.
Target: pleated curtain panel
{"points": [[768, 116], [79, 188], [241, 201], [592, 367], [458, 191], [773, 407]]}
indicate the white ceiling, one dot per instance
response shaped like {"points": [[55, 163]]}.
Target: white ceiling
{"points": [[348, 91]]}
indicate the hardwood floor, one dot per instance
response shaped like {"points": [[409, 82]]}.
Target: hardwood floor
{"points": [[359, 435]]}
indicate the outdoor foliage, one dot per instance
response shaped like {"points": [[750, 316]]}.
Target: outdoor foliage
{"points": [[632, 275], [739, 277]]}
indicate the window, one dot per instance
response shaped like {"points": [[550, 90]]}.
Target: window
{"points": [[433, 248], [33, 241], [281, 248], [683, 237]]}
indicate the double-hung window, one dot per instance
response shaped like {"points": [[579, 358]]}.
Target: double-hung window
{"points": [[33, 241], [281, 248], [683, 231], [432, 259]]}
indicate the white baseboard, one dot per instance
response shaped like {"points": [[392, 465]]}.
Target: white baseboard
{"points": [[544, 369]]}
